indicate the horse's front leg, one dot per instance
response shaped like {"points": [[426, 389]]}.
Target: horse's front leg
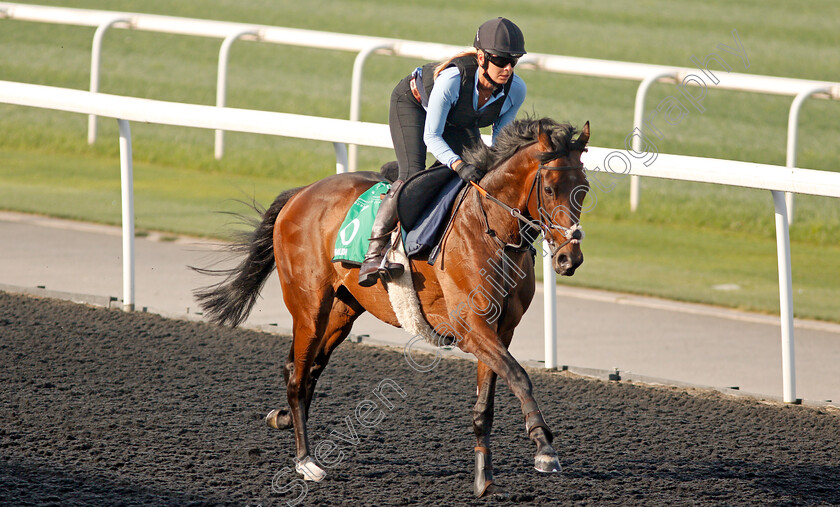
{"points": [[491, 352], [482, 426]]}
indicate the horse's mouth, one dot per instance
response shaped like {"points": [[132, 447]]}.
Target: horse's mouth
{"points": [[565, 264], [567, 272]]}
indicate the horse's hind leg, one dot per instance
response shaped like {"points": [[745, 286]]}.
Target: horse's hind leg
{"points": [[482, 425], [280, 418], [306, 363], [344, 312], [308, 330]]}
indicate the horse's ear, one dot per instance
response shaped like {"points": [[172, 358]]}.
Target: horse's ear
{"points": [[543, 139], [583, 138]]}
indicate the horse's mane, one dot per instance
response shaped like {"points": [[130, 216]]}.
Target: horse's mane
{"points": [[517, 134]]}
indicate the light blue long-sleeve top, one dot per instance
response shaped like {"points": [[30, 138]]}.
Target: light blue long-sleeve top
{"points": [[444, 96]]}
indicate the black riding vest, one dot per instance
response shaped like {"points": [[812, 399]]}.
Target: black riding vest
{"points": [[462, 114]]}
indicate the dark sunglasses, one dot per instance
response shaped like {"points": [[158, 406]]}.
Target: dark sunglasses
{"points": [[502, 61]]}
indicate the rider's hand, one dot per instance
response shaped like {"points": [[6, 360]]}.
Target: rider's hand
{"points": [[469, 172]]}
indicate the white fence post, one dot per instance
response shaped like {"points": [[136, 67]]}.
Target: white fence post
{"points": [[340, 158], [638, 121], [785, 298], [127, 180], [793, 136], [95, 61], [221, 82], [356, 95], [549, 308]]}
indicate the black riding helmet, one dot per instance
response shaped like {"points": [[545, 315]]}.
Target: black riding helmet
{"points": [[500, 37]]}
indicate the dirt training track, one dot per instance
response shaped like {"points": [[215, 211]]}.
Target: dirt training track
{"points": [[105, 407]]}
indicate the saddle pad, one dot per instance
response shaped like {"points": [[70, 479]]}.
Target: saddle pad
{"points": [[353, 238]]}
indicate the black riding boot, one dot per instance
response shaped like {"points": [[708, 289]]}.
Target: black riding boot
{"points": [[375, 264]]}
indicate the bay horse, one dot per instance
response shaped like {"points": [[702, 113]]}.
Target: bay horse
{"points": [[535, 181]]}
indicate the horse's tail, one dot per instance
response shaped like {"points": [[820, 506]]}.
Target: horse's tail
{"points": [[231, 300]]}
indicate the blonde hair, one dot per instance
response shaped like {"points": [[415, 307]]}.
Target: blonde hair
{"points": [[446, 64]]}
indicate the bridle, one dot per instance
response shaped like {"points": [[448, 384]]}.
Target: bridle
{"points": [[544, 224], [573, 233]]}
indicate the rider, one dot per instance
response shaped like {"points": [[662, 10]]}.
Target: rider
{"points": [[442, 106]]}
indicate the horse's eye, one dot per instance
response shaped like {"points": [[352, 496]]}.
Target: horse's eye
{"points": [[548, 191]]}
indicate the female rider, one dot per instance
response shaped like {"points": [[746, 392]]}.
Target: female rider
{"points": [[441, 107]]}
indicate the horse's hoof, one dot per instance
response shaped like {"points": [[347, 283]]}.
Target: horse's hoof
{"points": [[495, 492], [279, 420], [309, 470], [547, 464]]}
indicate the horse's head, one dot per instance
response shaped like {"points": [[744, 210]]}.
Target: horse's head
{"points": [[558, 192], [536, 165]]}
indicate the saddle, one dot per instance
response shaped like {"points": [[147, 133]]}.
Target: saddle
{"points": [[424, 209]]}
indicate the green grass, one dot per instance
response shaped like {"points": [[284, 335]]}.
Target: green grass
{"points": [[721, 268], [685, 239], [167, 199]]}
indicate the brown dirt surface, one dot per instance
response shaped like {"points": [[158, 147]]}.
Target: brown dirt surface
{"points": [[102, 407]]}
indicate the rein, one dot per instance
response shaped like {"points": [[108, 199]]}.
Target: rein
{"points": [[573, 233]]}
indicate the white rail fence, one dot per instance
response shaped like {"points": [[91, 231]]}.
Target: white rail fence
{"points": [[229, 32], [776, 179]]}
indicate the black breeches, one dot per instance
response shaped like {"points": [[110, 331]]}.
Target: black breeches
{"points": [[407, 119]]}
